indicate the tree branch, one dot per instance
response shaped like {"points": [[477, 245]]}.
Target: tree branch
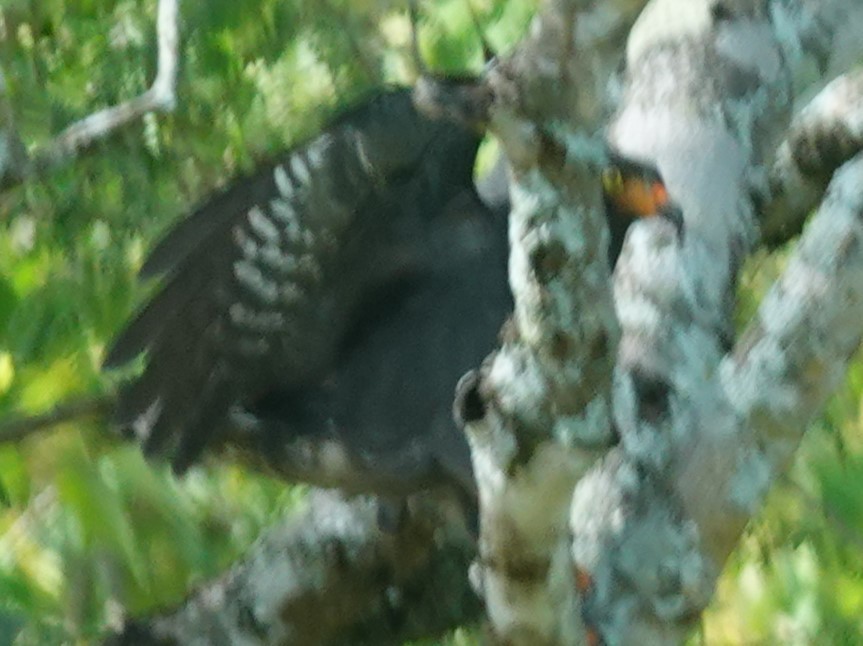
{"points": [[825, 135], [328, 576], [160, 97], [707, 100], [545, 412], [17, 427], [708, 96], [796, 351], [13, 155]]}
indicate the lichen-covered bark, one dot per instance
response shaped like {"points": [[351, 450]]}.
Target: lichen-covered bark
{"points": [[327, 576], [796, 351], [705, 424], [546, 411], [826, 133], [711, 85]]}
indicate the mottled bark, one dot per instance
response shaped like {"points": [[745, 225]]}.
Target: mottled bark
{"points": [[328, 576], [711, 87], [546, 408], [706, 424], [826, 134]]}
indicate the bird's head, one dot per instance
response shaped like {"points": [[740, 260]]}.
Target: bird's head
{"points": [[634, 190]]}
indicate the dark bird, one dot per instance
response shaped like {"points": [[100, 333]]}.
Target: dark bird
{"points": [[340, 291], [633, 190]]}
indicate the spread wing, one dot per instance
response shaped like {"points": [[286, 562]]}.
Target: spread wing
{"points": [[263, 283]]}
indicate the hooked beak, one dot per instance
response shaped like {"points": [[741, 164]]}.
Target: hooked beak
{"points": [[674, 214]]}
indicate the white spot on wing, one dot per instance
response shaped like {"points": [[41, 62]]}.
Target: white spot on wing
{"points": [[266, 321], [317, 150], [250, 277], [262, 225], [309, 267], [275, 258], [362, 154], [283, 212], [300, 168], [248, 247], [283, 182]]}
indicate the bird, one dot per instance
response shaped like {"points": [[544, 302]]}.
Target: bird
{"points": [[633, 190], [339, 291], [388, 400]]}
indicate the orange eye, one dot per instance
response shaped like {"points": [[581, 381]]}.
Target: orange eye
{"points": [[612, 181], [660, 195]]}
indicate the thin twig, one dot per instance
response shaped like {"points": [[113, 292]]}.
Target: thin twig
{"points": [[487, 51], [167, 27], [160, 97], [13, 158], [413, 16], [18, 427]]}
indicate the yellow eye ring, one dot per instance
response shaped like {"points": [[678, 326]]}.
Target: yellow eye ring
{"points": [[612, 180]]}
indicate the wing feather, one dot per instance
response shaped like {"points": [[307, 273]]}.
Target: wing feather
{"points": [[264, 280], [215, 213]]}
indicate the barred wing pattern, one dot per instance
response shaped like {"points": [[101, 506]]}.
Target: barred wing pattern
{"points": [[267, 282], [388, 402]]}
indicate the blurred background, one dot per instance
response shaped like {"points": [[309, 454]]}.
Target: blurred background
{"points": [[88, 529]]}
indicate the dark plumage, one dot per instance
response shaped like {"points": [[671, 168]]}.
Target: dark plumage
{"points": [[339, 292], [389, 400], [342, 290]]}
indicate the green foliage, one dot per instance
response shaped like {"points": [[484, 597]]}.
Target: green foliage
{"points": [[87, 527], [797, 575]]}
